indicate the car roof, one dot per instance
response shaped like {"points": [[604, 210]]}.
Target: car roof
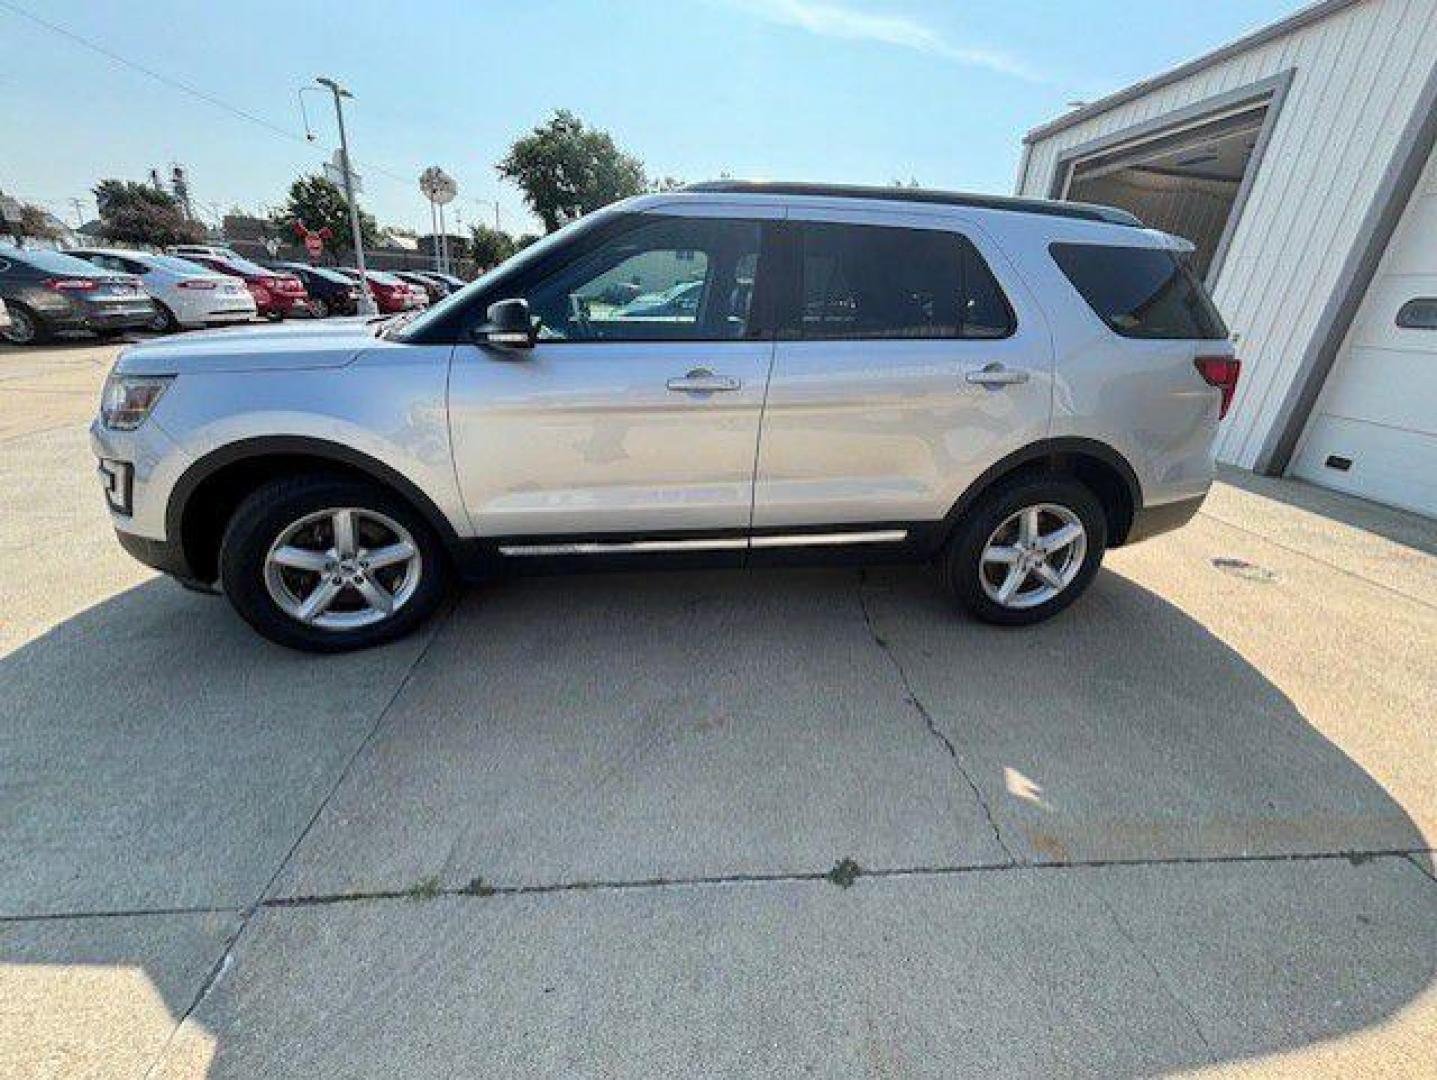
{"points": [[1048, 207]]}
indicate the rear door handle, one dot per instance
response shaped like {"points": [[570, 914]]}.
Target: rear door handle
{"points": [[703, 381], [997, 375]]}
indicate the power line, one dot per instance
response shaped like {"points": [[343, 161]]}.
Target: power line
{"points": [[174, 84], [188, 88]]}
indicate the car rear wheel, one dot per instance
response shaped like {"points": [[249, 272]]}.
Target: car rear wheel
{"points": [[164, 321], [327, 564], [1026, 550], [319, 308], [26, 328]]}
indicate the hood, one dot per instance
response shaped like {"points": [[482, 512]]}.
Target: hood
{"points": [[328, 343]]}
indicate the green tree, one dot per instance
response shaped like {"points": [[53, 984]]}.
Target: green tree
{"points": [[320, 204], [566, 170], [489, 246], [27, 220], [134, 213]]}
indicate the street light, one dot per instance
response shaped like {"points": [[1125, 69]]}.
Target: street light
{"points": [[366, 302]]}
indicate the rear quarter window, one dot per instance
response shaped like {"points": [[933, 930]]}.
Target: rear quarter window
{"points": [[1140, 292]]}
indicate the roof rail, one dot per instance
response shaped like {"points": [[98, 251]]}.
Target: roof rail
{"points": [[1050, 207]]}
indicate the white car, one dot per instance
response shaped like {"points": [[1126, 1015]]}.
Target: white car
{"points": [[1003, 387], [4, 316], [186, 295]]}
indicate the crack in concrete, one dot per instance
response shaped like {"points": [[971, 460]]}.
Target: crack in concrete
{"points": [[913, 699], [1156, 972], [1426, 872], [480, 888], [226, 957]]}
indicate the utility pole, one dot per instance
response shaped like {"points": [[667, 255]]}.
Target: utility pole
{"points": [[366, 302], [79, 206]]}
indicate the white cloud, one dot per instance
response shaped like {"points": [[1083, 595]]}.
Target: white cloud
{"points": [[901, 31]]}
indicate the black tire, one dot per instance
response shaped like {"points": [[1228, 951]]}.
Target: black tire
{"points": [[319, 308], [264, 517], [963, 570], [26, 328], [164, 321]]}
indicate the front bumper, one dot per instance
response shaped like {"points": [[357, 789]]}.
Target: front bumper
{"points": [[166, 556]]}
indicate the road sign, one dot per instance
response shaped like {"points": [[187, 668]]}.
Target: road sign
{"points": [[438, 186]]}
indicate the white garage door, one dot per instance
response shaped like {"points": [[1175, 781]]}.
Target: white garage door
{"points": [[1374, 431]]}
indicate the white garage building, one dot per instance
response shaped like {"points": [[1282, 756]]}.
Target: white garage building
{"points": [[1299, 160]]}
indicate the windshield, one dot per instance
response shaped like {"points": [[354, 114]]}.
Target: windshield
{"points": [[382, 278], [436, 313], [179, 266], [244, 266], [52, 262], [326, 274]]}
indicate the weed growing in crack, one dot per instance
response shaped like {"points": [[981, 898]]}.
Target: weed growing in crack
{"points": [[477, 887], [427, 889], [844, 873]]}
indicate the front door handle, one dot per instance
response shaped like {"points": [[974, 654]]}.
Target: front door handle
{"points": [[703, 381], [997, 375]]}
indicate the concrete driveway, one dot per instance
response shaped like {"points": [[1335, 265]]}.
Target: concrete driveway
{"points": [[755, 824]]}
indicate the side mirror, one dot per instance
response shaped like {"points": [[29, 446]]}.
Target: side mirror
{"points": [[509, 326]]}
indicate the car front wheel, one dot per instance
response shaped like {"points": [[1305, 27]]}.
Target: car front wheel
{"points": [[331, 564], [1027, 550]]}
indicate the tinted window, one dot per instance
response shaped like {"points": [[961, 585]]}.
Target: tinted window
{"points": [[1418, 314], [867, 282], [244, 266], [668, 279], [1140, 292], [49, 262]]}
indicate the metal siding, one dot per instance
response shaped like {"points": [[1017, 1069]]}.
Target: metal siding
{"points": [[1359, 73]]}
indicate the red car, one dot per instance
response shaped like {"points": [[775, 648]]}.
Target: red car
{"points": [[390, 293], [275, 295]]}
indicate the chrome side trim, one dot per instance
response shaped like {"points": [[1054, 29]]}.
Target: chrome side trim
{"points": [[786, 540], [884, 536], [625, 547]]}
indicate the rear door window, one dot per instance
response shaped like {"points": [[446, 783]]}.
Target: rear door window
{"points": [[873, 282], [1140, 292]]}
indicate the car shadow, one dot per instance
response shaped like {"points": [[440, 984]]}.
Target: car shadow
{"points": [[157, 756]]}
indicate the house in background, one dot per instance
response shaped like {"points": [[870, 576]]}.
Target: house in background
{"points": [[1299, 161]]}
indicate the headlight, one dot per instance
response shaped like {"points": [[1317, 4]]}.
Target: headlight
{"points": [[129, 399]]}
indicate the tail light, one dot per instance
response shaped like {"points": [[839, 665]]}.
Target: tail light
{"points": [[72, 284], [198, 284], [1221, 372]]}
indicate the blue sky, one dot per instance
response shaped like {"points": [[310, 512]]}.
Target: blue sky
{"points": [[836, 90]]}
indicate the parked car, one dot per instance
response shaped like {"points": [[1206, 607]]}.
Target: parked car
{"points": [[454, 283], [275, 295], [434, 291], [679, 301], [391, 295], [4, 316], [186, 294], [330, 292], [1004, 387], [48, 293]]}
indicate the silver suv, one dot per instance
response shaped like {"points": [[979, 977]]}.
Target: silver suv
{"points": [[733, 373]]}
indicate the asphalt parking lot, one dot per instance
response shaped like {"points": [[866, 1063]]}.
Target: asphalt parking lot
{"points": [[757, 824]]}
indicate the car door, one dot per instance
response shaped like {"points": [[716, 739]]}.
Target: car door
{"points": [[632, 417], [910, 359]]}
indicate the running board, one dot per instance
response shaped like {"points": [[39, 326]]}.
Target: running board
{"points": [[640, 547]]}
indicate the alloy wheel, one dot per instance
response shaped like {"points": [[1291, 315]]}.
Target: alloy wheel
{"points": [[1033, 556], [342, 568], [21, 330]]}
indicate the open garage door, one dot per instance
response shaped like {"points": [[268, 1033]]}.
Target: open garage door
{"points": [[1186, 182]]}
